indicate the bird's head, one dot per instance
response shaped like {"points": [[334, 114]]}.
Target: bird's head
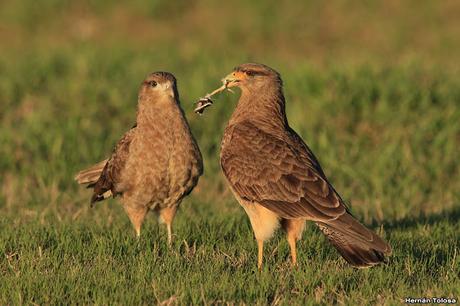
{"points": [[159, 84], [255, 80], [252, 76]]}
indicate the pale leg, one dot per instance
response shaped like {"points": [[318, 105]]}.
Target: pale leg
{"points": [[167, 215], [294, 229], [137, 216], [260, 254], [264, 222]]}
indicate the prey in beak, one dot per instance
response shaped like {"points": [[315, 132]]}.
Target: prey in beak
{"points": [[230, 80]]}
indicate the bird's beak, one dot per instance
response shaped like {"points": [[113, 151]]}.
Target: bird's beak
{"points": [[233, 79]]}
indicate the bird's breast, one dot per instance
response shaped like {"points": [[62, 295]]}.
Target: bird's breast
{"points": [[164, 161]]}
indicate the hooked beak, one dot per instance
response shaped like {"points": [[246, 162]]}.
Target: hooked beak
{"points": [[233, 79]]}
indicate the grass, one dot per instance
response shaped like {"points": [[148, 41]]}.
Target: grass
{"points": [[378, 104]]}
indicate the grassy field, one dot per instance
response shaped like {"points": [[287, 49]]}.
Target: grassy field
{"points": [[373, 89]]}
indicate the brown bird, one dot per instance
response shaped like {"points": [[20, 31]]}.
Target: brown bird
{"points": [[156, 163], [277, 179]]}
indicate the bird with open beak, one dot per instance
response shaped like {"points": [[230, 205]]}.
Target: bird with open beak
{"points": [[276, 177], [156, 163]]}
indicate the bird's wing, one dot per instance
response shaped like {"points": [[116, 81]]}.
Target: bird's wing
{"points": [[113, 168], [90, 175], [278, 174]]}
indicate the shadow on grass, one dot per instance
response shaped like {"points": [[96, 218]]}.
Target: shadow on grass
{"points": [[451, 216], [431, 254]]}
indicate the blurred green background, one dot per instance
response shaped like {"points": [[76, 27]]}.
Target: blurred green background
{"points": [[373, 87]]}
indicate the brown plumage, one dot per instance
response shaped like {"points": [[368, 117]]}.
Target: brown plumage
{"points": [[156, 163], [276, 177]]}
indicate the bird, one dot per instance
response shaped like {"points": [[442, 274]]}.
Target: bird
{"points": [[278, 180], [156, 163]]}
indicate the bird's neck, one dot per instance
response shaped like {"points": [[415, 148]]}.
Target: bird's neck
{"points": [[264, 106], [152, 111]]}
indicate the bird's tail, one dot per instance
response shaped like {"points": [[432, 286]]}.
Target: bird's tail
{"points": [[91, 175], [358, 245]]}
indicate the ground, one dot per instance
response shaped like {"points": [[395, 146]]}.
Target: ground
{"points": [[374, 91]]}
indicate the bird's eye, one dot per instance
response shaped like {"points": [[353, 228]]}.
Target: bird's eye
{"points": [[249, 73], [153, 83]]}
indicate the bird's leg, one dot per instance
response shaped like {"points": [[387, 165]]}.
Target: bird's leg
{"points": [[260, 253], [137, 216], [263, 222], [292, 244], [168, 227], [167, 215], [294, 229]]}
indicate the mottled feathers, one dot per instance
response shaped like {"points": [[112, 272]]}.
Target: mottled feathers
{"points": [[266, 163], [113, 168], [278, 174], [156, 163]]}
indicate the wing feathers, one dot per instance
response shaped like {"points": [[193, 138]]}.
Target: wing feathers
{"points": [[111, 173], [358, 245], [91, 174], [282, 174], [278, 173]]}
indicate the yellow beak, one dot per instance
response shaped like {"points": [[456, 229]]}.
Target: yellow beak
{"points": [[233, 79]]}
